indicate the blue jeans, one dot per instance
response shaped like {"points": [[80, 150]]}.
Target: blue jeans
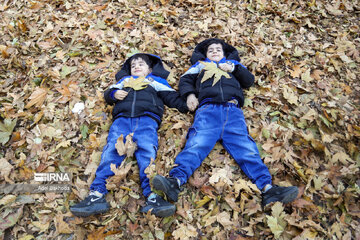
{"points": [[224, 123], [145, 135]]}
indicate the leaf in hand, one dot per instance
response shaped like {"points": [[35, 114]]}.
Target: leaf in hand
{"points": [[212, 70], [136, 83]]}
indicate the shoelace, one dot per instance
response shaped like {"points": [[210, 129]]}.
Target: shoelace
{"points": [[152, 198], [93, 193]]}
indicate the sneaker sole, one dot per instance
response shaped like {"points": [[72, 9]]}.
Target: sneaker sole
{"points": [[160, 183], [290, 196], [166, 212], [87, 214]]}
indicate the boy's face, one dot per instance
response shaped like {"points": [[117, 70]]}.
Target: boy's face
{"points": [[215, 52], [139, 68]]}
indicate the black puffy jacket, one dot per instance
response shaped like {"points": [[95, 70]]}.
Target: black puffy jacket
{"points": [[148, 101], [225, 89]]}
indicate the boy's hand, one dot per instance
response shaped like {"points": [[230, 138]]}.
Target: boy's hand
{"points": [[120, 94], [226, 67], [192, 102]]}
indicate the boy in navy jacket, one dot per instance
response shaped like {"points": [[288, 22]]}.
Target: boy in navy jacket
{"points": [[214, 84], [138, 109]]}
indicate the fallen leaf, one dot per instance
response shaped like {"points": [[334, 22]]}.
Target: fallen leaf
{"points": [[220, 174], [185, 232], [5, 169], [10, 220], [37, 97], [6, 129], [42, 226], [120, 172], [224, 219], [136, 83], [61, 225], [211, 70], [7, 199], [290, 95], [120, 145], [100, 234], [67, 70]]}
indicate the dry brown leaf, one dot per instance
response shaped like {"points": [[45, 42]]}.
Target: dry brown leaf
{"points": [[37, 97], [5, 169], [198, 179], [100, 234], [185, 232], [136, 83], [120, 172], [120, 145], [212, 71], [61, 225]]}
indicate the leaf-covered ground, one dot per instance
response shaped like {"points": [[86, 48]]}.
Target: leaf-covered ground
{"points": [[303, 113]]}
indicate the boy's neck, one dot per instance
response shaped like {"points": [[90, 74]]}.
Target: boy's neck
{"points": [[141, 76], [222, 60]]}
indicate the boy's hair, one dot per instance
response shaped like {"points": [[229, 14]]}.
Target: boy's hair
{"points": [[143, 57], [216, 41]]}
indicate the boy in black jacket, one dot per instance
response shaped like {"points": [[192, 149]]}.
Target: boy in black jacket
{"points": [[214, 83], [139, 97]]}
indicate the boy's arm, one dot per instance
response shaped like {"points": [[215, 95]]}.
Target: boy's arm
{"points": [[173, 99], [188, 80], [243, 75], [169, 96], [110, 93]]}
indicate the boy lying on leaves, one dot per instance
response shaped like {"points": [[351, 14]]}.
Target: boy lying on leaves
{"points": [[214, 83], [139, 98]]}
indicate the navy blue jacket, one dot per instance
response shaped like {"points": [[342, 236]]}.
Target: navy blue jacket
{"points": [[148, 101], [225, 89]]}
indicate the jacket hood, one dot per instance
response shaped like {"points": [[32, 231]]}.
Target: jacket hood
{"points": [[157, 67], [199, 53]]}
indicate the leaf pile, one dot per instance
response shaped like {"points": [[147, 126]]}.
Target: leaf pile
{"points": [[303, 112]]}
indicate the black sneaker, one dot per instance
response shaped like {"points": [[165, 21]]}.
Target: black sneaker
{"points": [[91, 205], [158, 206], [169, 186], [279, 194]]}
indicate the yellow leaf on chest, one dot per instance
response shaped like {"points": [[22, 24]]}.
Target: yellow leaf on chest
{"points": [[136, 83], [212, 70]]}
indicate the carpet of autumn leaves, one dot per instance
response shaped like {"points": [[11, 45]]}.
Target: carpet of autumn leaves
{"points": [[303, 113]]}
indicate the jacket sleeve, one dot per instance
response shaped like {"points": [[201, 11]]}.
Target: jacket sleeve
{"points": [[173, 99], [187, 83], [109, 95], [243, 75]]}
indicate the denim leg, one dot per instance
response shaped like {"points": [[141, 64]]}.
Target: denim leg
{"points": [[237, 141], [109, 155], [201, 138], [146, 138]]}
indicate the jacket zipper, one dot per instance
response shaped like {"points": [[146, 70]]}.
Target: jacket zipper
{"points": [[133, 105], [221, 91], [153, 100]]}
